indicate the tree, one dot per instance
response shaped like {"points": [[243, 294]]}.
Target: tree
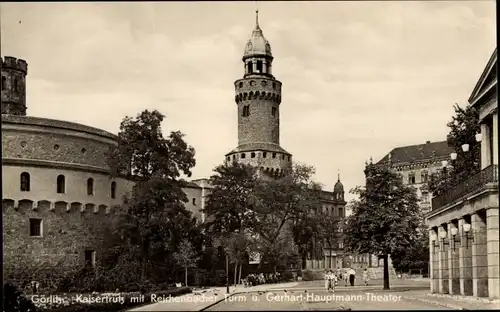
{"points": [[236, 245], [328, 230], [385, 219], [463, 128], [186, 257], [281, 204], [229, 207], [152, 212], [415, 257], [304, 229]]}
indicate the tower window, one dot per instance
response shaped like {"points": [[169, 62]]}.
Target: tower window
{"points": [[341, 212], [246, 111], [273, 111], [4, 83], [289, 158], [264, 155], [241, 84], [250, 67], [194, 201], [25, 182], [61, 187], [36, 227], [242, 155], [234, 157], [252, 155], [259, 66], [15, 84], [90, 186], [228, 158], [274, 155], [113, 189]]}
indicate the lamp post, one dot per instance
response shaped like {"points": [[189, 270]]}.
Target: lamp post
{"points": [[454, 232], [467, 233], [443, 235], [227, 273]]}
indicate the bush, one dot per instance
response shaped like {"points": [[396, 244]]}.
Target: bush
{"points": [[15, 301]]}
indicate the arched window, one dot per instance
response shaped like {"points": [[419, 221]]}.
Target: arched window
{"points": [[25, 182], [90, 186], [4, 83], [61, 184], [424, 176], [252, 155], [113, 189], [15, 84]]}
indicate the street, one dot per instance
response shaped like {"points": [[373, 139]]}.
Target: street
{"points": [[346, 299]]}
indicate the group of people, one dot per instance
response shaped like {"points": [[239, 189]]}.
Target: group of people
{"points": [[349, 275], [258, 279]]}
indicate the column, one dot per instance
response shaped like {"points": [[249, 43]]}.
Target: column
{"points": [[254, 66], [495, 138], [485, 146], [433, 262], [443, 263], [479, 256], [453, 260], [492, 250], [465, 261], [264, 67]]}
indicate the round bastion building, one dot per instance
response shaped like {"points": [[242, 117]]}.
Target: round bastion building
{"points": [[258, 98], [56, 188]]}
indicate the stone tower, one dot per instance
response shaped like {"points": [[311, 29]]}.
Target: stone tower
{"points": [[258, 98], [13, 86]]}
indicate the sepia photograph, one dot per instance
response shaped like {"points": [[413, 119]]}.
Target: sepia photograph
{"points": [[249, 155]]}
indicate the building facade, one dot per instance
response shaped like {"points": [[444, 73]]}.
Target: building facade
{"points": [[463, 224], [258, 99], [415, 164]]}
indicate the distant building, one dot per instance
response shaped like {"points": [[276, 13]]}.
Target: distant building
{"points": [[415, 164], [463, 223]]}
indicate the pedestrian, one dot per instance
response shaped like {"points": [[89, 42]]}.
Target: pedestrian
{"points": [[345, 275], [365, 277], [327, 280], [339, 274], [352, 276], [333, 280]]}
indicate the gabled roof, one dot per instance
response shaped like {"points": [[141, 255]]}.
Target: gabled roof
{"points": [[487, 80], [416, 153]]}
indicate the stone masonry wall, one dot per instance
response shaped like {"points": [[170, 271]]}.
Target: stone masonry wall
{"points": [[261, 95], [54, 146], [65, 237]]}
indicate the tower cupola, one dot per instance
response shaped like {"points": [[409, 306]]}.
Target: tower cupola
{"points": [[257, 56], [338, 189], [257, 45]]}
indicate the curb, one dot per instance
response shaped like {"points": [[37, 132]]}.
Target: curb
{"points": [[446, 305], [237, 293]]}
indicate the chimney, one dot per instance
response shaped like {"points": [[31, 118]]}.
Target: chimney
{"points": [[427, 142]]}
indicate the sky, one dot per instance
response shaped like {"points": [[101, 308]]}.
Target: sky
{"points": [[359, 78]]}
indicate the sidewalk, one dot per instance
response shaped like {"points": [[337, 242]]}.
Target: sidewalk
{"points": [[453, 301], [204, 298]]}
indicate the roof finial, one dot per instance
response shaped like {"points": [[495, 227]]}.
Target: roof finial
{"points": [[338, 174]]}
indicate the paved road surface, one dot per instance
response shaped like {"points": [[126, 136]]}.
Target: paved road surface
{"points": [[321, 300]]}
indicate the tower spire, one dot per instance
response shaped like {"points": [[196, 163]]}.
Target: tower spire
{"points": [[338, 174], [257, 19]]}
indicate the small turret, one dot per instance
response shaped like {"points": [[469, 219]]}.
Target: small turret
{"points": [[338, 189], [13, 86]]}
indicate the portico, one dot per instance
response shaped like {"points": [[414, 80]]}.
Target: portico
{"points": [[463, 223]]}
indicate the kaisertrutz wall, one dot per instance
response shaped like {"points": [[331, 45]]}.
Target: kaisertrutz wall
{"points": [[35, 152]]}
